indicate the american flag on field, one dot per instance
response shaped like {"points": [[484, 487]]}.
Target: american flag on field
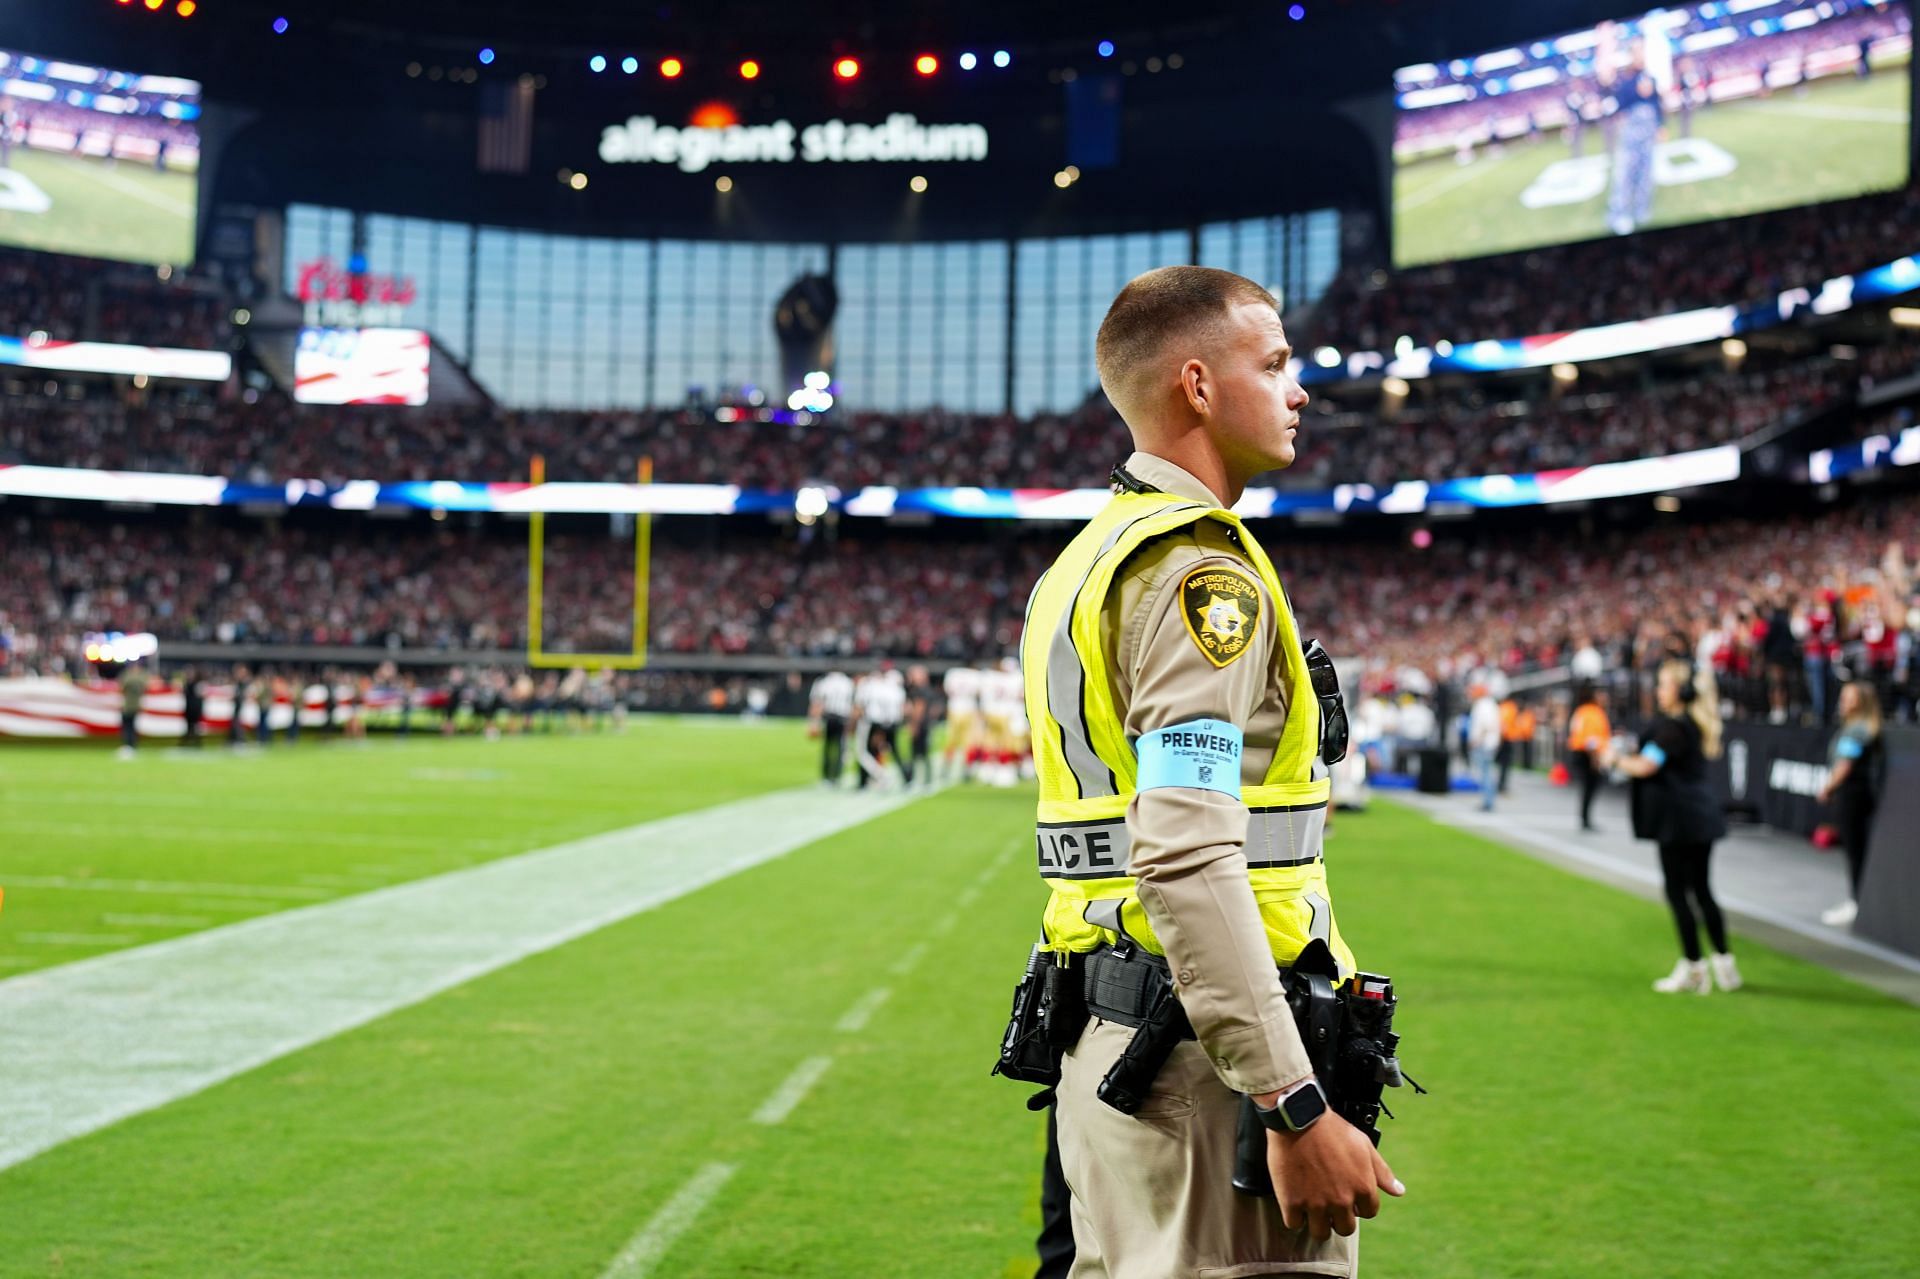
{"points": [[506, 126]]}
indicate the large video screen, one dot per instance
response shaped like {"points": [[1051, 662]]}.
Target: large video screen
{"points": [[1680, 115], [98, 162], [361, 366]]}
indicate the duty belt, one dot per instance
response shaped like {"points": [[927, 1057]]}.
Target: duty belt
{"points": [[1100, 849], [1124, 985]]}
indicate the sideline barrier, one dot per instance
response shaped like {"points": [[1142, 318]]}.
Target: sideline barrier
{"points": [[1772, 772], [1890, 885]]}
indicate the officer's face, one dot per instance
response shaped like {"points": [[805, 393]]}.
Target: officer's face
{"points": [[1257, 412]]}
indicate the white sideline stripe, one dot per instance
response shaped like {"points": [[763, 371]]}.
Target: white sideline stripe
{"points": [[658, 1236], [1644, 875], [77, 939], [160, 887], [156, 921], [861, 1013], [89, 1043], [775, 1109]]}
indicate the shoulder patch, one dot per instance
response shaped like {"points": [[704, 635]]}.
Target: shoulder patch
{"points": [[1221, 607]]}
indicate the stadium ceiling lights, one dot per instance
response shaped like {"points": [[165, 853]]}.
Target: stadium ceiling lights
{"points": [[279, 26], [1002, 59], [968, 62], [670, 68], [926, 64], [597, 63], [629, 64], [846, 68], [1104, 48], [749, 70], [486, 57]]}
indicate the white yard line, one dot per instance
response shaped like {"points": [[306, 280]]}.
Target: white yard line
{"points": [[911, 960], [860, 1014], [89, 1043], [792, 1091], [657, 1237], [76, 939]]}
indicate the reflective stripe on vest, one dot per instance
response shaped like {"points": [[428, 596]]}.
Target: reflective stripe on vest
{"points": [[1087, 767]]}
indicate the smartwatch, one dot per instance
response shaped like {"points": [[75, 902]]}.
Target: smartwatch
{"points": [[1298, 1109]]}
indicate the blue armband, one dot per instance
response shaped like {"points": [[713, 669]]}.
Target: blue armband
{"points": [[1202, 753], [1654, 753], [1848, 748]]}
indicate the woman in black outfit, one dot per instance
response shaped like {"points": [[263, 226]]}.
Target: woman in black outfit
{"points": [[1674, 806], [1852, 788]]}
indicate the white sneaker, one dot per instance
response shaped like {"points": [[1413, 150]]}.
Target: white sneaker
{"points": [[1726, 973], [125, 752], [1842, 915], [1688, 975]]}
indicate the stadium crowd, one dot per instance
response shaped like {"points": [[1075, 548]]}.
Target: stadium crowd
{"points": [[1478, 427], [80, 299], [1757, 598]]}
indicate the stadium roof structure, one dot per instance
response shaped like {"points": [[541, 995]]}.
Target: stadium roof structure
{"points": [[1220, 109]]}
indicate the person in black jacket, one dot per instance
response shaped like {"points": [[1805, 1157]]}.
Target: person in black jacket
{"points": [[1674, 806]]}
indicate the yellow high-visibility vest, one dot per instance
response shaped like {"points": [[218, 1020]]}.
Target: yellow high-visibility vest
{"points": [[1088, 770]]}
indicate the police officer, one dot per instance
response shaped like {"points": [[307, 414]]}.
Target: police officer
{"points": [[1182, 799]]}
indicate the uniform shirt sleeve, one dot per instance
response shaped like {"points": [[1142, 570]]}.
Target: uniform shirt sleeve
{"points": [[1666, 742], [1187, 847]]}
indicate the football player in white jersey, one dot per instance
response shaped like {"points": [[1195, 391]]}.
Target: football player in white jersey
{"points": [[964, 727]]}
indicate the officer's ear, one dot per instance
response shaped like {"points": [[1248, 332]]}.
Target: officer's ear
{"points": [[1196, 383]]}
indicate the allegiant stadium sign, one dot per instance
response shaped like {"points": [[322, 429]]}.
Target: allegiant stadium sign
{"points": [[643, 140]]}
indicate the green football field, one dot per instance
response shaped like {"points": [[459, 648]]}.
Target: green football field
{"points": [[784, 1072], [1842, 138], [124, 210]]}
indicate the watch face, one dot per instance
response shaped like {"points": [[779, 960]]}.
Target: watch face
{"points": [[1303, 1107]]}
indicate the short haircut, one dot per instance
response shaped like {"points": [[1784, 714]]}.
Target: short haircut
{"points": [[1167, 302]]}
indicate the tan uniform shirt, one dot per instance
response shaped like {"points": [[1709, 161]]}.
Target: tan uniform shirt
{"points": [[1187, 852]]}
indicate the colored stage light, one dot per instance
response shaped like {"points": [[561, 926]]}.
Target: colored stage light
{"points": [[926, 64], [1001, 58], [279, 26], [847, 68], [1106, 48], [629, 64], [749, 70], [671, 68], [968, 62], [186, 8], [597, 62], [486, 57]]}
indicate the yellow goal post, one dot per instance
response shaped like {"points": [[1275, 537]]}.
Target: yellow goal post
{"points": [[537, 656]]}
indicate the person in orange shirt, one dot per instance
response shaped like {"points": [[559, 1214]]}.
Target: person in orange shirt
{"points": [[1587, 736], [1517, 725]]}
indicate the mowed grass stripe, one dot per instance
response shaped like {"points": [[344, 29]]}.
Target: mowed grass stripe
{"points": [[525, 1123], [97, 1041], [387, 813]]}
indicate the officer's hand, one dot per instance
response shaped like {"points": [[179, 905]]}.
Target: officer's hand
{"points": [[1327, 1176]]}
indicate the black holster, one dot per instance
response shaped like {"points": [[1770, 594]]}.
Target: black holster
{"points": [[1049, 1012], [1348, 1034]]}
